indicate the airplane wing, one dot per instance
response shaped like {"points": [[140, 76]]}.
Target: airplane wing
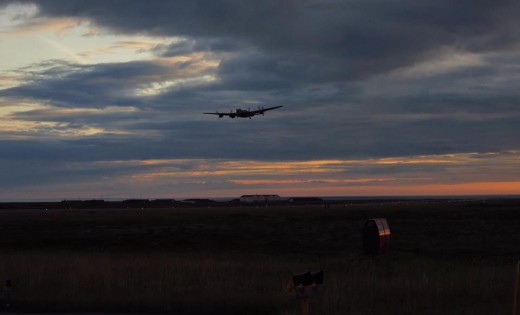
{"points": [[261, 111], [220, 115]]}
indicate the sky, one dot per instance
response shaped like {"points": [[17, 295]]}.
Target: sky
{"points": [[104, 98]]}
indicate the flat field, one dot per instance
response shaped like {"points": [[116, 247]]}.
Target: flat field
{"points": [[446, 257]]}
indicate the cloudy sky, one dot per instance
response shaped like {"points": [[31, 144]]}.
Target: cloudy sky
{"points": [[104, 99]]}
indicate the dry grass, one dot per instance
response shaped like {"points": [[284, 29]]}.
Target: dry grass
{"points": [[233, 283], [151, 282], [419, 286], [446, 258]]}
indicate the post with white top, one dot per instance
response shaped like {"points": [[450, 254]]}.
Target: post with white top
{"points": [[303, 286]]}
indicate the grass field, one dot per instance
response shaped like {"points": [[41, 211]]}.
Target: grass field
{"points": [[445, 258]]}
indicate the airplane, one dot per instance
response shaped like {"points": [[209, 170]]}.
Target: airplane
{"points": [[244, 113]]}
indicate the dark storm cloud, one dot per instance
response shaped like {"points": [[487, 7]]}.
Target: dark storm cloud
{"points": [[338, 67], [278, 44], [71, 85], [383, 126], [93, 86], [186, 46], [350, 39]]}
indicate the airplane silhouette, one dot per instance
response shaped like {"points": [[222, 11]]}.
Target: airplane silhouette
{"points": [[244, 113]]}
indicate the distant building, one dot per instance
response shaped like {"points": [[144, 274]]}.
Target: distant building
{"points": [[259, 198]]}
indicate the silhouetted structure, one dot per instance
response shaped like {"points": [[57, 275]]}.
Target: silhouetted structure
{"points": [[259, 198]]}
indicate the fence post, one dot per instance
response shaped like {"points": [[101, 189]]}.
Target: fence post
{"points": [[517, 285], [305, 306]]}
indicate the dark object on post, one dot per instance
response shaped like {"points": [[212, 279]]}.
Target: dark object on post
{"points": [[302, 279], [317, 277], [308, 278], [376, 236], [305, 284]]}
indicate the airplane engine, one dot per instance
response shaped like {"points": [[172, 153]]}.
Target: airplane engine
{"points": [[220, 116], [232, 115]]}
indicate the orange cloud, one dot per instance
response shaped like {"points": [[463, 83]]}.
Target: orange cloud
{"points": [[56, 25], [276, 182], [454, 174]]}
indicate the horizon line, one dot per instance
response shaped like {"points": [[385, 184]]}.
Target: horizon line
{"points": [[333, 197]]}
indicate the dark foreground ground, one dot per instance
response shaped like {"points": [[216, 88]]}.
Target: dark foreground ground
{"points": [[446, 256], [455, 229]]}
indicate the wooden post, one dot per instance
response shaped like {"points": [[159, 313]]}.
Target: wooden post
{"points": [[517, 287], [303, 286], [305, 306]]}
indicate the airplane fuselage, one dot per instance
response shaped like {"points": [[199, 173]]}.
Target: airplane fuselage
{"points": [[244, 113]]}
